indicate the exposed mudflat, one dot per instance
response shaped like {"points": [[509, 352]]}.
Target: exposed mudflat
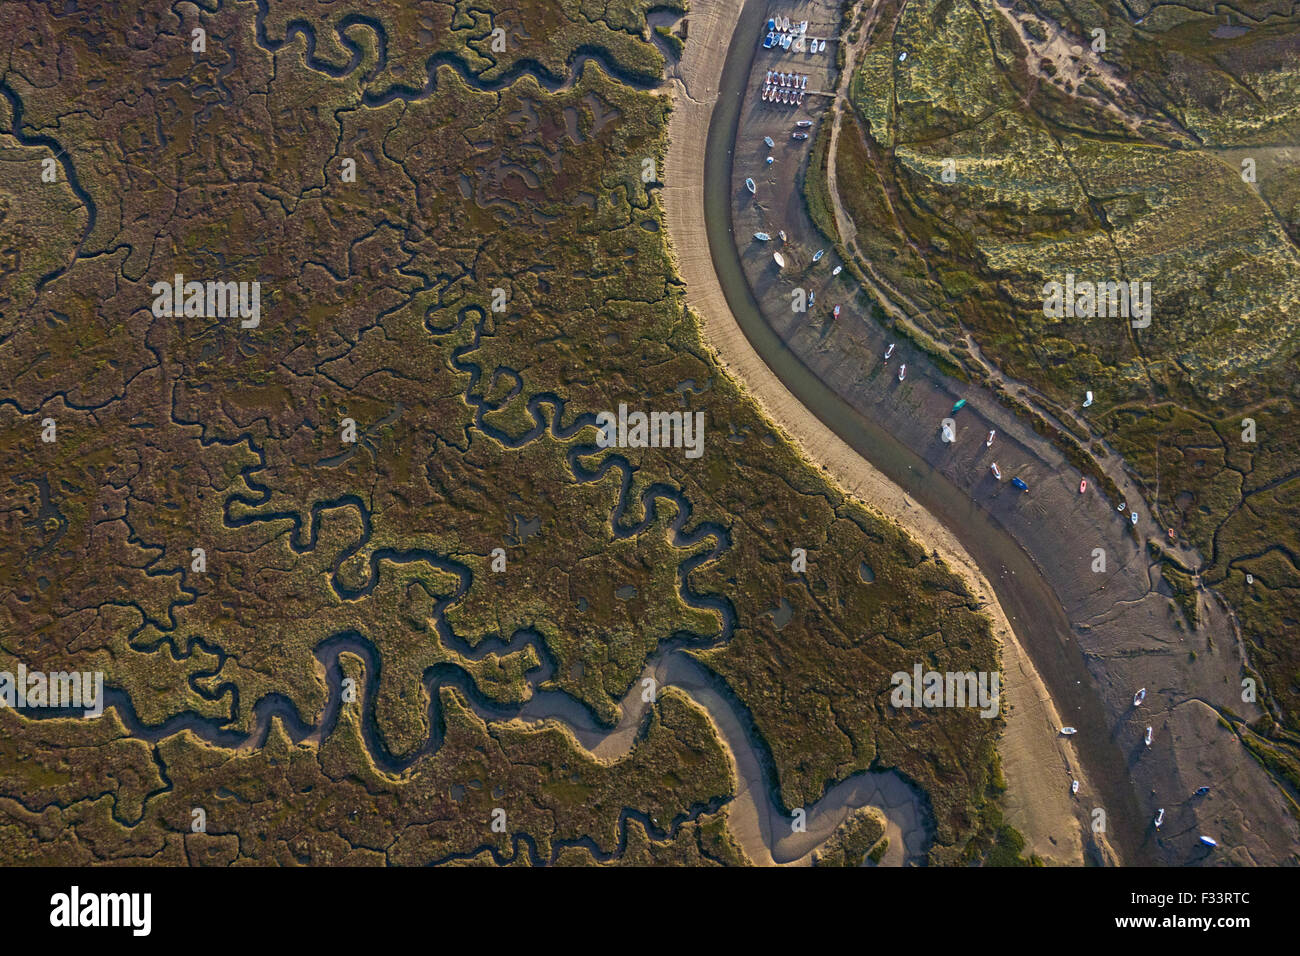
{"points": [[1094, 637]]}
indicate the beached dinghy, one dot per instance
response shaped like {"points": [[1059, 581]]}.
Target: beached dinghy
{"points": [[1209, 841], [781, 233], [1020, 483], [889, 351], [1140, 696], [749, 184], [1160, 817], [1083, 485], [837, 270], [902, 371], [1147, 738], [997, 472], [818, 254], [768, 141], [835, 313], [1074, 786], [762, 236], [1068, 731], [1133, 517], [804, 123], [779, 260], [989, 441]]}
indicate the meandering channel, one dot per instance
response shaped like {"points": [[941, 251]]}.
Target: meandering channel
{"points": [[1023, 592]]}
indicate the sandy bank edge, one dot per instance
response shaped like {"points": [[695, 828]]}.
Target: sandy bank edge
{"points": [[1037, 764]]}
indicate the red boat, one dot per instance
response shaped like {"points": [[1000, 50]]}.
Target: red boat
{"points": [[1083, 486], [836, 313]]}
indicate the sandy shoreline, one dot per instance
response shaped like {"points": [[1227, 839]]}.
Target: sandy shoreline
{"points": [[1037, 764]]}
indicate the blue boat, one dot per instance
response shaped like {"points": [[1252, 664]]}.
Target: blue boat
{"points": [[769, 41], [1019, 484]]}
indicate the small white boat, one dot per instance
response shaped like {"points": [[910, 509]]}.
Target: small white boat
{"points": [[777, 258], [812, 297], [770, 160], [766, 91], [1133, 517], [989, 441], [902, 371], [1087, 402], [769, 77], [902, 56], [762, 236], [1147, 738], [1122, 506], [802, 94], [781, 233], [1209, 841], [1160, 817], [768, 141], [1074, 786], [803, 84], [889, 351], [1139, 697], [749, 184], [837, 270], [804, 123], [822, 48], [1068, 731], [818, 254], [997, 472]]}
